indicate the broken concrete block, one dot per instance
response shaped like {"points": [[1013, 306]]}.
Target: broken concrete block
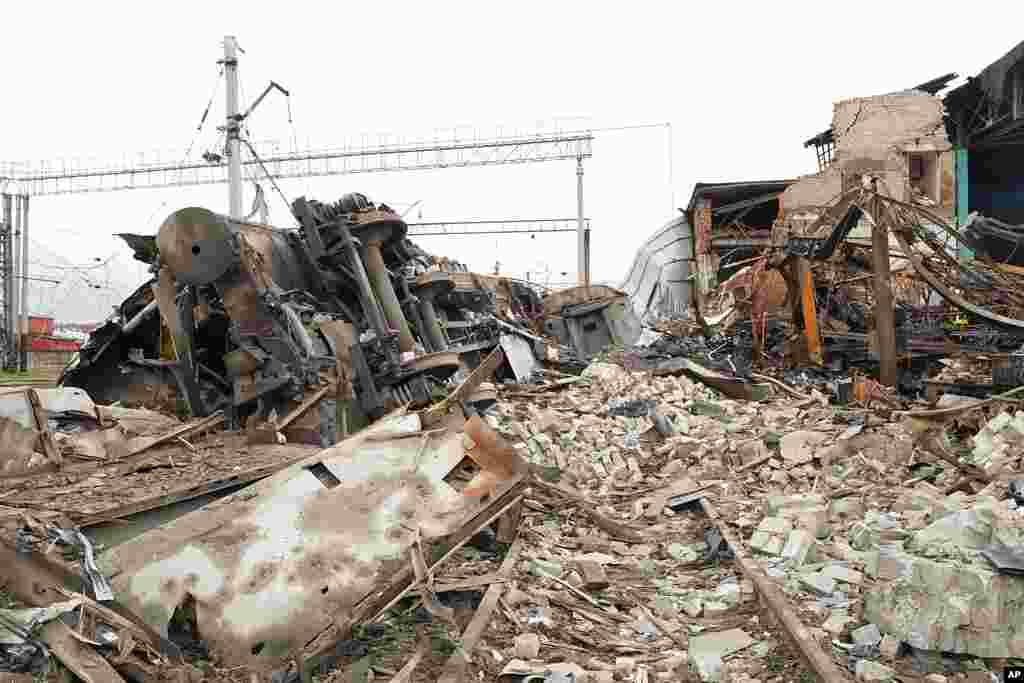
{"points": [[889, 647], [728, 592], [844, 574], [799, 548], [818, 583], [527, 646], [516, 596], [682, 553], [814, 520], [798, 447], [966, 529], [867, 635], [752, 451], [706, 651], [692, 606], [594, 577], [770, 535], [863, 537], [837, 623], [873, 672], [625, 666], [541, 567], [933, 605], [850, 507], [714, 608], [707, 667], [801, 501], [567, 671]]}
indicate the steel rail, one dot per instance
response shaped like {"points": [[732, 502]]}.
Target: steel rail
{"points": [[798, 634]]}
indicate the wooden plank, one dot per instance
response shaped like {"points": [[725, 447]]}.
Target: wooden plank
{"points": [[481, 581], [464, 537], [594, 577], [456, 666], [404, 675], [296, 413], [142, 444], [508, 525], [36, 581], [79, 658], [464, 391], [183, 494], [380, 601]]}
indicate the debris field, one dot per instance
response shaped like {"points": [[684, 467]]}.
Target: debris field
{"points": [[787, 448]]}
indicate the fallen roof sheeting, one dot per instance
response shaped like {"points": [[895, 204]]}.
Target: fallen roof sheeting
{"points": [[658, 283], [276, 564]]}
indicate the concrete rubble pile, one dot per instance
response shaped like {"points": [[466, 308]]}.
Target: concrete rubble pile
{"points": [[787, 448], [644, 510]]}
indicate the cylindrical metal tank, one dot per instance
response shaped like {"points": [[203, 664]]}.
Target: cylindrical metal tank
{"points": [[200, 247]]}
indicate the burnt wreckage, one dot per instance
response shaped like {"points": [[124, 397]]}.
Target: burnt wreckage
{"points": [[250, 319]]}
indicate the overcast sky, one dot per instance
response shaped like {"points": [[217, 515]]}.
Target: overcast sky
{"points": [[742, 84]]}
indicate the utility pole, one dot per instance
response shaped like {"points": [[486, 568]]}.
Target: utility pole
{"points": [[7, 263], [15, 256], [885, 325], [23, 325], [232, 127], [582, 260]]}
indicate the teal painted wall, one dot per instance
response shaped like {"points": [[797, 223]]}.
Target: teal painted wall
{"points": [[962, 193]]}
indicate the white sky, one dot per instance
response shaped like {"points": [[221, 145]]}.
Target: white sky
{"points": [[743, 85]]}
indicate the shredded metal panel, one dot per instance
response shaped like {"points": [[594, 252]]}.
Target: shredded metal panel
{"points": [[658, 282]]}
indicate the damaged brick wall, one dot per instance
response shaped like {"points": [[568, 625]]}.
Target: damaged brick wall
{"points": [[900, 138]]}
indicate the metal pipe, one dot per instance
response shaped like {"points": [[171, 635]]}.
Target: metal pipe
{"points": [[137, 319], [371, 308], [822, 665], [381, 282], [412, 307], [432, 326]]}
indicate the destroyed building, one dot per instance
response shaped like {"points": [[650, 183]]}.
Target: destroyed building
{"points": [[725, 493], [724, 224]]}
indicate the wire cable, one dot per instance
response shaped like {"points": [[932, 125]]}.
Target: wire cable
{"points": [[267, 173]]}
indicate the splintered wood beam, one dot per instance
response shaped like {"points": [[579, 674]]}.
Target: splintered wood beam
{"points": [[885, 317], [458, 663]]}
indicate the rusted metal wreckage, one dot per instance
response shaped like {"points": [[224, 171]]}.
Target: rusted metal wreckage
{"points": [[303, 337], [250, 319]]}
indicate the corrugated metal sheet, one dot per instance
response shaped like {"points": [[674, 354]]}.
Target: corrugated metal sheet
{"points": [[657, 284]]}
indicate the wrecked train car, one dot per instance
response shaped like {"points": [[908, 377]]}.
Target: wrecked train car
{"points": [[250, 319]]}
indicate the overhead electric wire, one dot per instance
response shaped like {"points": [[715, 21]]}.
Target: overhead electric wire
{"points": [[206, 112], [195, 136], [267, 173]]}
